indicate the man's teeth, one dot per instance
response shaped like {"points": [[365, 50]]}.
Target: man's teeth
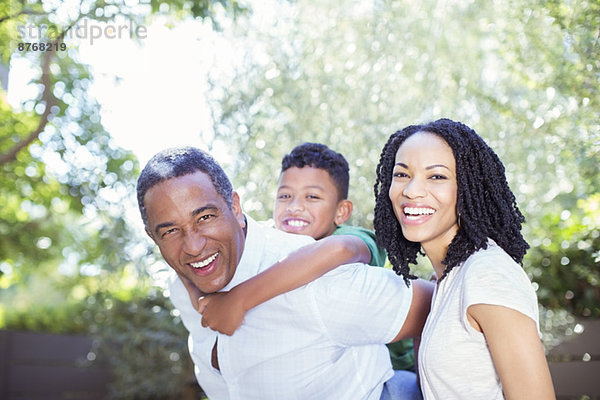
{"points": [[296, 223], [205, 262], [418, 211]]}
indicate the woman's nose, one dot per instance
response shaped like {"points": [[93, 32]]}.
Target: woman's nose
{"points": [[414, 188]]}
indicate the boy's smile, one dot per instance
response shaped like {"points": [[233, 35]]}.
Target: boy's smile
{"points": [[307, 202]]}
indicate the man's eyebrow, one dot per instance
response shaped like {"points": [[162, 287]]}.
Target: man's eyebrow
{"points": [[200, 210], [197, 211], [162, 225]]}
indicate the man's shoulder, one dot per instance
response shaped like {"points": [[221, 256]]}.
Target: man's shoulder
{"points": [[282, 239], [273, 244]]}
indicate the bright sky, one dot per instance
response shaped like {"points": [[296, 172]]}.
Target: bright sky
{"points": [[159, 99], [152, 96]]}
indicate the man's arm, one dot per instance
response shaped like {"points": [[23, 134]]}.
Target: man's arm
{"points": [[419, 309], [225, 311]]}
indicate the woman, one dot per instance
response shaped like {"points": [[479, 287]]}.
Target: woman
{"points": [[441, 190]]}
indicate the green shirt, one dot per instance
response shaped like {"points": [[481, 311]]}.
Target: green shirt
{"points": [[378, 255], [401, 353]]}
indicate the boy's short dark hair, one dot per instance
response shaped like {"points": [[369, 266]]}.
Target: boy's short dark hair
{"points": [[318, 155]]}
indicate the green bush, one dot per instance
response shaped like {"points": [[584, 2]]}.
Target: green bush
{"points": [[565, 259], [141, 339]]}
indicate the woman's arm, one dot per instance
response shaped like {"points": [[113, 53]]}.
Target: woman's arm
{"points": [[225, 311], [516, 350]]}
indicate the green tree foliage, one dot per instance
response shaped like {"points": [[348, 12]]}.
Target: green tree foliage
{"points": [[69, 258], [524, 74]]}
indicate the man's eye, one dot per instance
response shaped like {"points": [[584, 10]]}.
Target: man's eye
{"points": [[168, 232], [206, 217]]}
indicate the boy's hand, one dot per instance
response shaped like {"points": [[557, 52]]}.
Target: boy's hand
{"points": [[223, 312]]}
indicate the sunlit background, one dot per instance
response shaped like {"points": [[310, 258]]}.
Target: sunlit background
{"points": [[248, 81]]}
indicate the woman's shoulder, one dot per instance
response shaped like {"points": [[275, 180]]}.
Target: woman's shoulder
{"points": [[493, 262]]}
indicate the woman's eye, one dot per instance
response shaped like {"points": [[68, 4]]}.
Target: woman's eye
{"points": [[400, 175], [438, 177]]}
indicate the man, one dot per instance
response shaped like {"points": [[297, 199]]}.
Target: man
{"points": [[325, 340]]}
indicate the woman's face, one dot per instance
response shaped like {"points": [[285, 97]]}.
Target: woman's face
{"points": [[423, 190]]}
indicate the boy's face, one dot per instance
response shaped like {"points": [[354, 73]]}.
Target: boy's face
{"points": [[307, 203]]}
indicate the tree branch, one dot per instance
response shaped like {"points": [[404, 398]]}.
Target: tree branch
{"points": [[23, 12], [47, 97]]}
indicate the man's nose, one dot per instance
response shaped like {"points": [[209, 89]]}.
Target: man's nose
{"points": [[194, 242]]}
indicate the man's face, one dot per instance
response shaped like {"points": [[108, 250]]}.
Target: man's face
{"points": [[198, 234], [307, 202]]}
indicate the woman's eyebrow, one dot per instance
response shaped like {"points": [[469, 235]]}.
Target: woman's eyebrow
{"points": [[436, 166]]}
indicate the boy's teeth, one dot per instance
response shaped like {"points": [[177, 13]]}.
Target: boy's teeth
{"points": [[205, 262], [418, 211], [296, 223]]}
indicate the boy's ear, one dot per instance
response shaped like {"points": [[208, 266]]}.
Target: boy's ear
{"points": [[343, 212]]}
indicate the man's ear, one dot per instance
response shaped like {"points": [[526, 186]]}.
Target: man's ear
{"points": [[343, 212], [237, 209]]}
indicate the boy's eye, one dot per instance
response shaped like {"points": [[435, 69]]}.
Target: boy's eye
{"points": [[283, 196], [312, 197]]}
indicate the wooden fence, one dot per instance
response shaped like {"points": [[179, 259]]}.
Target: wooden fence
{"points": [[38, 366], [575, 364]]}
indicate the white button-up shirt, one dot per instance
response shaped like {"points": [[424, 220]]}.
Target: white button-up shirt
{"points": [[324, 340]]}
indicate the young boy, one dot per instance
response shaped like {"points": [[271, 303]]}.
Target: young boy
{"points": [[312, 199]]}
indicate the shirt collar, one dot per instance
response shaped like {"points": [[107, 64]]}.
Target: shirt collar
{"points": [[249, 264]]}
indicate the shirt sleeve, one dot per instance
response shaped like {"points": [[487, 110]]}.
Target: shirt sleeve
{"points": [[498, 280], [360, 305], [178, 295], [378, 254]]}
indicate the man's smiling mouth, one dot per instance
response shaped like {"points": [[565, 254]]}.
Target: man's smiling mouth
{"points": [[205, 262]]}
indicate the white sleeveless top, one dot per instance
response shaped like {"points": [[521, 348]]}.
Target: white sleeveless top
{"points": [[454, 360]]}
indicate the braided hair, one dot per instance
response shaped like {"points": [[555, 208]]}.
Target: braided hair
{"points": [[485, 204]]}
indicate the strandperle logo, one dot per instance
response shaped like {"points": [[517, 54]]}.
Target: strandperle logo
{"points": [[84, 30]]}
